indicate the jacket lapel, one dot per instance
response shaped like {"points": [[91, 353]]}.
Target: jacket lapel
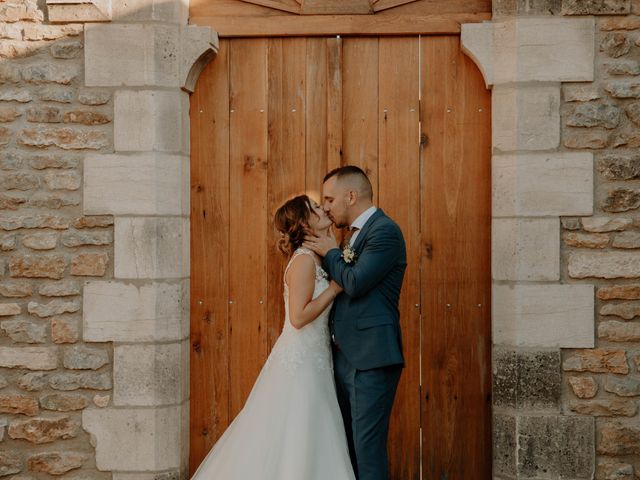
{"points": [[366, 226]]}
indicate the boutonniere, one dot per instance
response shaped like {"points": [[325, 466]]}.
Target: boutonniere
{"points": [[348, 254]]}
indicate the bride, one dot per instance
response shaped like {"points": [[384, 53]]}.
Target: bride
{"points": [[290, 427]]}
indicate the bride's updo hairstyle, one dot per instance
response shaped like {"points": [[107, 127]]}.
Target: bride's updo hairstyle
{"points": [[292, 220]]}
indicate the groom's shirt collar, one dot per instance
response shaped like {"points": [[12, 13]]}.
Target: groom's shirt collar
{"points": [[360, 221]]}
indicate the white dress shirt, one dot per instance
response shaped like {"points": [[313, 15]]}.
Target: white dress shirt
{"points": [[360, 221]]}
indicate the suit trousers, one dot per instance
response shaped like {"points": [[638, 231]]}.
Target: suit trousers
{"points": [[365, 398]]}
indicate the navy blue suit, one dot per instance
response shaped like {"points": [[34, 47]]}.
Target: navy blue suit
{"points": [[365, 327]]}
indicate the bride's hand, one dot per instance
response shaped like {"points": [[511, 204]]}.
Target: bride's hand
{"points": [[335, 287]]}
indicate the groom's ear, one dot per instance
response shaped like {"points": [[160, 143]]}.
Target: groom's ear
{"points": [[352, 196]]}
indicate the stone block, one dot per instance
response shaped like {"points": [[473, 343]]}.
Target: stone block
{"points": [[525, 249], [526, 117], [31, 358], [152, 55], [532, 49], [151, 120], [123, 312], [138, 439], [596, 7], [527, 379], [140, 184], [147, 375], [543, 315], [152, 247], [504, 444], [556, 447], [609, 264]]}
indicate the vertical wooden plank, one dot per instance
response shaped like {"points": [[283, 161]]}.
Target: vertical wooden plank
{"points": [[399, 194], [360, 105], [316, 118], [456, 226], [209, 381], [248, 217], [286, 165], [334, 102]]}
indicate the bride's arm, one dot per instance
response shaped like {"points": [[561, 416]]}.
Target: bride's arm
{"points": [[301, 277]]}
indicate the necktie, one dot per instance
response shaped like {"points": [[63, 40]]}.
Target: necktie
{"points": [[347, 236]]}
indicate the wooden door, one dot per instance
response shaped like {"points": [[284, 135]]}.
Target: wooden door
{"points": [[269, 117]]}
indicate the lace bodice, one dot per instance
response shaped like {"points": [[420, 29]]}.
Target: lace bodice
{"points": [[311, 342]]}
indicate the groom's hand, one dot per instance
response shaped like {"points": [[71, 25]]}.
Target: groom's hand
{"points": [[320, 244]]}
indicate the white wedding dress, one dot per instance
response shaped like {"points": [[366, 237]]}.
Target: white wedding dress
{"points": [[290, 427]]}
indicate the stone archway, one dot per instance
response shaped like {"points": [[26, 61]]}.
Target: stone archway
{"points": [[144, 184]]}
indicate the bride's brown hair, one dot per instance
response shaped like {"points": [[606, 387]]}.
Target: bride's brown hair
{"points": [[292, 220]]}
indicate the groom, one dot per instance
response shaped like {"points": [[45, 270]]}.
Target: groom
{"points": [[364, 322]]}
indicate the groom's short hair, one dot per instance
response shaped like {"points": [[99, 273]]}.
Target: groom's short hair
{"points": [[354, 174]]}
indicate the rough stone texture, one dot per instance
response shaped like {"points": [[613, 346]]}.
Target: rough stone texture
{"points": [[614, 471], [63, 137], [74, 381], [623, 387], [605, 408], [123, 312], [542, 184], [585, 240], [55, 463], [630, 291], [614, 331], [10, 463], [31, 358], [77, 239], [136, 439], [54, 307], [24, 331], [44, 430], [615, 44], [583, 387], [47, 266], [15, 289], [596, 7], [579, 92], [607, 264], [62, 402], [40, 241], [20, 404], [62, 288], [64, 330], [626, 310], [605, 224], [89, 264], [33, 382], [527, 380], [621, 199], [597, 360], [595, 115], [555, 446], [619, 439], [543, 315], [592, 139], [83, 357], [7, 309], [504, 444], [623, 67], [616, 166]]}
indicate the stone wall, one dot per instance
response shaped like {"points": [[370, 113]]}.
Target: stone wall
{"points": [[604, 117], [48, 373], [573, 412]]}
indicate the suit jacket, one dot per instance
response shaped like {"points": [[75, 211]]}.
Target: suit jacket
{"points": [[365, 319]]}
